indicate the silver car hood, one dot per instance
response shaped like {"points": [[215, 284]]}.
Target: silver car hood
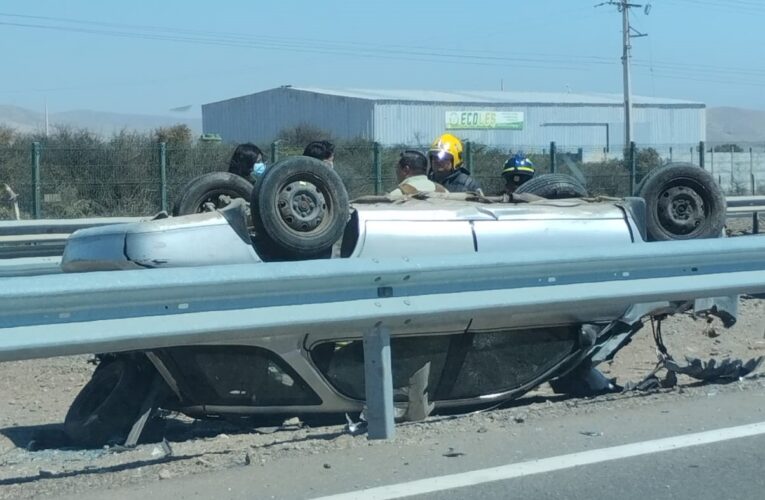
{"points": [[188, 241]]}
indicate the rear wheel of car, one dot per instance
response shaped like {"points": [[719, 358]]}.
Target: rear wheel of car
{"points": [[213, 190], [106, 408], [554, 187], [683, 202], [302, 207]]}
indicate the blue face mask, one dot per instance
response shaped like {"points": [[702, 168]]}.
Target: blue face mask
{"points": [[258, 170]]}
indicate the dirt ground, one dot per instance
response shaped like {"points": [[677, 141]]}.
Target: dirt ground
{"points": [[35, 395]]}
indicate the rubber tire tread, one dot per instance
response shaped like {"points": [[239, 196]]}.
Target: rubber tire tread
{"points": [[655, 183], [267, 221], [202, 187], [554, 187], [94, 424]]}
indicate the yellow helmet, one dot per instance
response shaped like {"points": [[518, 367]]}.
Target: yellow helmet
{"points": [[447, 144]]}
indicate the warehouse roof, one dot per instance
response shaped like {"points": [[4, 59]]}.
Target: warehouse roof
{"points": [[493, 97]]}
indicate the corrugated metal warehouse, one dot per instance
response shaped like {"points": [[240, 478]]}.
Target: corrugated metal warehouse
{"points": [[501, 118]]}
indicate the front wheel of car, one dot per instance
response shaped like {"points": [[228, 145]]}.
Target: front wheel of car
{"points": [[683, 202], [106, 408], [302, 207]]}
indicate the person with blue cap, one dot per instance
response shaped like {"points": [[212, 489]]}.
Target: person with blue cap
{"points": [[517, 170]]}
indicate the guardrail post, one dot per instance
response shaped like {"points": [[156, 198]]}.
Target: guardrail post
{"points": [[36, 188], [378, 383], [163, 175], [377, 167], [633, 168], [553, 157], [702, 147]]}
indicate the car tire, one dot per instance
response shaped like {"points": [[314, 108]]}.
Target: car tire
{"points": [[302, 208], [683, 202], [107, 407], [208, 188], [554, 187]]}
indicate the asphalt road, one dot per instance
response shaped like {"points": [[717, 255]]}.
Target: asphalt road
{"points": [[630, 452]]}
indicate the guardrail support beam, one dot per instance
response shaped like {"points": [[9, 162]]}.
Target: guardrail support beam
{"points": [[378, 383]]}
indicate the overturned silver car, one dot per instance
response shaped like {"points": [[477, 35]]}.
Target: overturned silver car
{"points": [[300, 212]]}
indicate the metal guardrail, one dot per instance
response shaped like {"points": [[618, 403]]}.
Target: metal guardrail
{"points": [[740, 206], [46, 237], [43, 316], [30, 266]]}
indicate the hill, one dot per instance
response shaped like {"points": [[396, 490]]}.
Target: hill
{"points": [[735, 125], [99, 122]]}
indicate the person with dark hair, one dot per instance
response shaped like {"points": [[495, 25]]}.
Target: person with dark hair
{"points": [[412, 174], [321, 150], [247, 161]]}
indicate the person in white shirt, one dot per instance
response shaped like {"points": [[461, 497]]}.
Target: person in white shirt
{"points": [[412, 174]]}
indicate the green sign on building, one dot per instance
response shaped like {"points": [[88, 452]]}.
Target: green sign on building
{"points": [[478, 120]]}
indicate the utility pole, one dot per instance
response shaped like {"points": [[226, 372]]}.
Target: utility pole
{"points": [[628, 33]]}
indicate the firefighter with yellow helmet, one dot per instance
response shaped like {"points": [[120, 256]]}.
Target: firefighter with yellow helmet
{"points": [[446, 168]]}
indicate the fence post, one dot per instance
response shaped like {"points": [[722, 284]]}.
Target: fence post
{"points": [[553, 157], [670, 154], [469, 156], [751, 171], [36, 188], [163, 175], [702, 146], [274, 152], [633, 169], [377, 168]]}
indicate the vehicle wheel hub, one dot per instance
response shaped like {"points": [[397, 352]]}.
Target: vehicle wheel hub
{"points": [[681, 209], [301, 206]]}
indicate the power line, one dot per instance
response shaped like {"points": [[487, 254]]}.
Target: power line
{"points": [[342, 47], [669, 70], [727, 5]]}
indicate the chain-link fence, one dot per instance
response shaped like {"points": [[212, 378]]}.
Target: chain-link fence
{"points": [[133, 178]]}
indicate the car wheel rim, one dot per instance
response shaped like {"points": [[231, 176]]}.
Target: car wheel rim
{"points": [[302, 206], [681, 210]]}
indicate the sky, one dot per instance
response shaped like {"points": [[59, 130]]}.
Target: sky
{"points": [[149, 57]]}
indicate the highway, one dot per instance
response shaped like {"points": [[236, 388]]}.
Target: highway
{"points": [[706, 443]]}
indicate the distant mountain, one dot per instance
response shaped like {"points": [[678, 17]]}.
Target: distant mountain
{"points": [[99, 122], [735, 125]]}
